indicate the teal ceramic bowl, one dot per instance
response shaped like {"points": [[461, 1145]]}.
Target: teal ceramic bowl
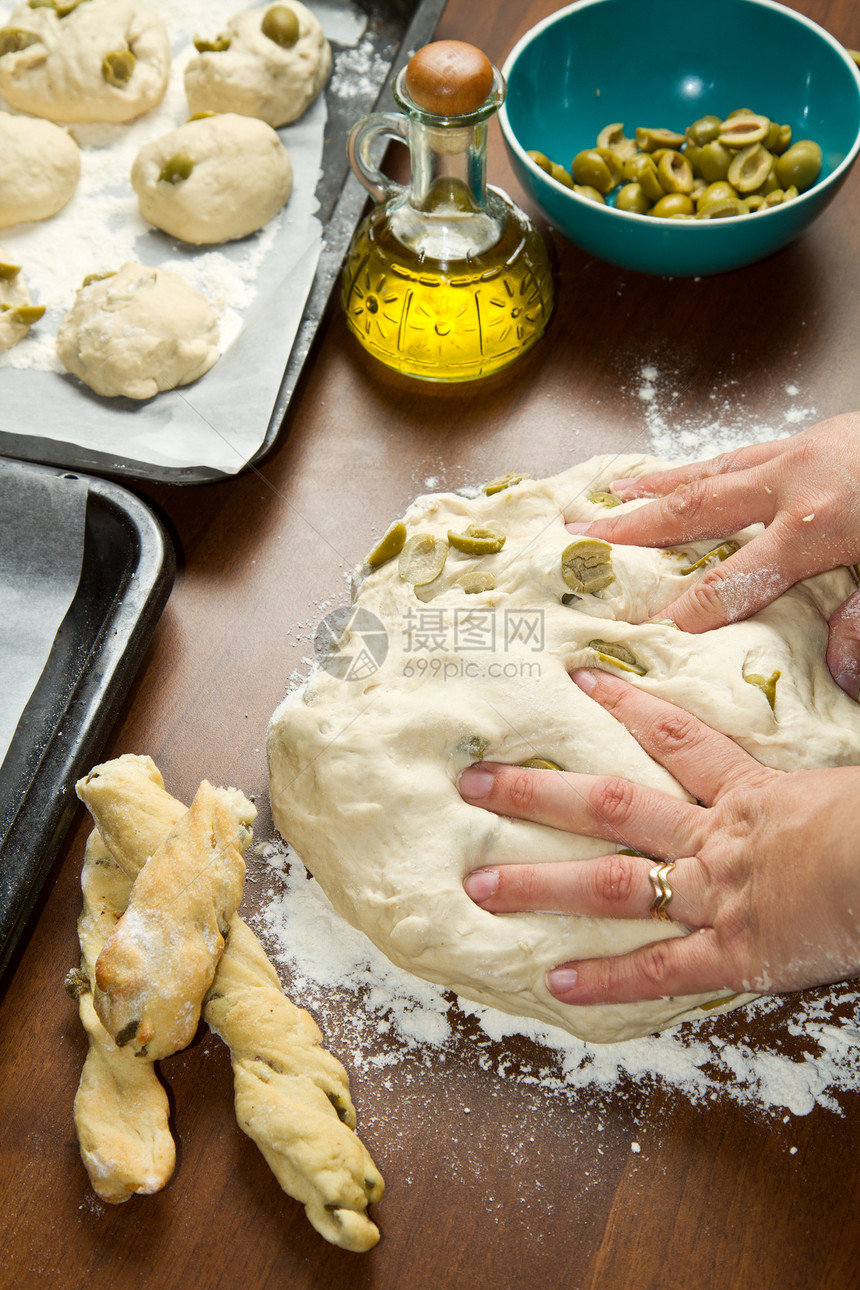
{"points": [[666, 63]]}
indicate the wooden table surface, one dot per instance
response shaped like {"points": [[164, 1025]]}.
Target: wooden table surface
{"points": [[534, 1188]]}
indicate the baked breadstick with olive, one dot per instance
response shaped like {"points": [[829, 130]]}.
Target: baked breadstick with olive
{"points": [[292, 1096], [121, 1110], [160, 959]]}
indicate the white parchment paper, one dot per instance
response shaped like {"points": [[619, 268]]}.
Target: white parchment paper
{"points": [[41, 547]]}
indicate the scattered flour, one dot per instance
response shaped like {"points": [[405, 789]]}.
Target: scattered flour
{"points": [[379, 1016], [731, 425]]}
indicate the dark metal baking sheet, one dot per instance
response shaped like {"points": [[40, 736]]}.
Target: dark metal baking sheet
{"points": [[126, 576], [395, 28]]}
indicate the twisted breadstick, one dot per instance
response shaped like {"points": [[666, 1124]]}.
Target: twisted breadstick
{"points": [[160, 959], [121, 1110], [292, 1096]]}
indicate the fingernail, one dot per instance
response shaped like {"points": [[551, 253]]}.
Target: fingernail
{"points": [[620, 485], [577, 527], [849, 682], [561, 981], [475, 783], [584, 679], [481, 885]]}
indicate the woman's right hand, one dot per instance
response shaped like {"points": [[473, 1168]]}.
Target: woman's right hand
{"points": [[804, 489]]}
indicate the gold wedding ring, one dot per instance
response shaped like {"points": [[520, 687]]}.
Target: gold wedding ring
{"points": [[662, 891]]}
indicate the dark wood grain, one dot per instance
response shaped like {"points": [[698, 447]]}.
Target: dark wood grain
{"points": [[529, 1188]]}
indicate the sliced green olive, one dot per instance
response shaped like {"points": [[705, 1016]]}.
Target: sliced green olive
{"points": [[714, 192], [768, 685], [26, 314], [40, 4], [65, 7], [422, 559], [585, 190], [281, 25], [390, 546], [673, 205], [778, 138], [201, 116], [596, 168], [743, 129], [14, 39], [570, 598], [614, 138], [649, 140], [674, 172], [604, 499], [618, 655], [176, 168], [560, 175], [750, 168], [474, 582], [118, 67], [722, 208], [541, 160], [714, 161], [9, 271], [540, 763], [719, 553], [216, 46], [642, 170], [703, 131], [471, 746], [586, 566], [504, 481], [97, 277], [717, 1003], [479, 539], [633, 198], [800, 165]]}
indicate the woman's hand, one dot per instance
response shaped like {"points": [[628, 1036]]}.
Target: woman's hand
{"points": [[805, 490], [767, 869]]}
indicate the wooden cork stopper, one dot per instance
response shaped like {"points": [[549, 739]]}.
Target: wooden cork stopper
{"points": [[449, 78]]}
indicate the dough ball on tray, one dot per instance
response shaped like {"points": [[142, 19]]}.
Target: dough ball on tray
{"points": [[39, 169], [94, 60], [213, 179], [269, 63], [137, 332], [17, 312]]}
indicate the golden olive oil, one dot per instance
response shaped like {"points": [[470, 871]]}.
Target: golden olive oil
{"points": [[447, 321]]}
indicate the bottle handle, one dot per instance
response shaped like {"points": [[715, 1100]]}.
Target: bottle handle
{"points": [[390, 125]]}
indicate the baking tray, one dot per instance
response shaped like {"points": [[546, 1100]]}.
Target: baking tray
{"points": [[127, 572], [395, 28]]}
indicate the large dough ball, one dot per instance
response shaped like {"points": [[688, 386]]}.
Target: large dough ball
{"points": [[138, 331], [106, 60], [39, 169], [424, 679], [214, 179], [254, 74]]}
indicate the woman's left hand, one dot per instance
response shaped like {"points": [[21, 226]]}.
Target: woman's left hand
{"points": [[766, 870]]}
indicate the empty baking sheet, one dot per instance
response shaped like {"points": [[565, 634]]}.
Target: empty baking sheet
{"points": [[127, 571]]}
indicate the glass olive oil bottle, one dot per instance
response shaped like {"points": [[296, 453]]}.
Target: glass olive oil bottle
{"points": [[446, 279]]}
